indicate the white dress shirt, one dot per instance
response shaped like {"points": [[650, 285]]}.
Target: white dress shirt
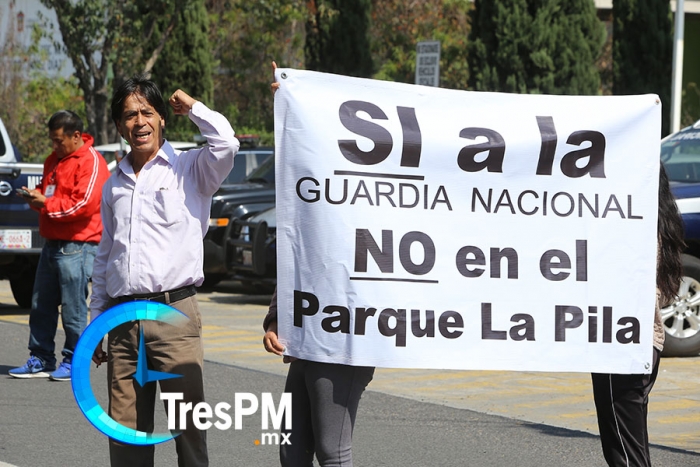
{"points": [[154, 224]]}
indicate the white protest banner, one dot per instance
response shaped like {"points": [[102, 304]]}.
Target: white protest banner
{"points": [[420, 227]]}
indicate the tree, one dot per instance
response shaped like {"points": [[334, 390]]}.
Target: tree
{"points": [[690, 105], [28, 98], [88, 43], [535, 46], [122, 36], [246, 37], [643, 50], [337, 38], [186, 62], [397, 27]]}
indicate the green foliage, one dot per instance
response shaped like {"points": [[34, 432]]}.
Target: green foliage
{"points": [[265, 137], [398, 26], [145, 28], [246, 37], [118, 38], [643, 50], [28, 98], [186, 63], [337, 38], [40, 98], [690, 105], [535, 46], [88, 28], [605, 61]]}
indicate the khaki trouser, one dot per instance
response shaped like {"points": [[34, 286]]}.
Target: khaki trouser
{"points": [[169, 349]]}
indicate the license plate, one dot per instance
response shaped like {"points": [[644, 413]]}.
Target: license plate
{"points": [[15, 239], [247, 257]]}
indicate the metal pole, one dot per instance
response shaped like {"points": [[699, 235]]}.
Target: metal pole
{"points": [[677, 84]]}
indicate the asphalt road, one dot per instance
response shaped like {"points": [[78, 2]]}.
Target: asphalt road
{"points": [[41, 425]]}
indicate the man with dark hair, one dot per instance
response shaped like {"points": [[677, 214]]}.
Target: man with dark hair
{"points": [[68, 201], [155, 210]]}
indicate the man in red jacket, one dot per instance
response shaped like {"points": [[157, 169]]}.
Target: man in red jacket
{"points": [[68, 201]]}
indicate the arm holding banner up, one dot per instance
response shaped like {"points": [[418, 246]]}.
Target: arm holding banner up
{"points": [[275, 85]]}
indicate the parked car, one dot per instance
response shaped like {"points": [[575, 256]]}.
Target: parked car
{"points": [[20, 242], [680, 154], [252, 244], [246, 191]]}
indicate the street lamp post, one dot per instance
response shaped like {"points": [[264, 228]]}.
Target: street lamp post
{"points": [[677, 84]]}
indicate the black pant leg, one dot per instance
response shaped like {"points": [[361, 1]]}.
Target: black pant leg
{"points": [[621, 405]]}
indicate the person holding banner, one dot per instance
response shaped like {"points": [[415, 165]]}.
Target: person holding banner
{"points": [[621, 400], [325, 398]]}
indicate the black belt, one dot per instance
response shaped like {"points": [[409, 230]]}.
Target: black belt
{"points": [[167, 297]]}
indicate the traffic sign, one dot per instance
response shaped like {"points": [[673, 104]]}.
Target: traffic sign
{"points": [[428, 63]]}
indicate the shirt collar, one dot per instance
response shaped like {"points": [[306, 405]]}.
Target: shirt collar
{"points": [[166, 153]]}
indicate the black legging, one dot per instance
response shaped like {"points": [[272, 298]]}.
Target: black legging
{"points": [[621, 404], [325, 397]]}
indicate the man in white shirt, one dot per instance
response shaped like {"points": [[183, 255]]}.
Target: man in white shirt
{"points": [[155, 211]]}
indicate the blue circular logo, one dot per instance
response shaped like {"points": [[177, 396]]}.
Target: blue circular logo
{"points": [[82, 358]]}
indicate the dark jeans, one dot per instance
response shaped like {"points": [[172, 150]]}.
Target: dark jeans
{"points": [[61, 280], [621, 405]]}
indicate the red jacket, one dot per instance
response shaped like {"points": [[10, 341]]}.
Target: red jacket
{"points": [[73, 211]]}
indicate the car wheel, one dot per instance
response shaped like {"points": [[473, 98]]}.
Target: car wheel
{"points": [[22, 286], [681, 318]]}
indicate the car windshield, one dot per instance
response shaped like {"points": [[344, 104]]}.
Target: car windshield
{"points": [[245, 164], [680, 154], [265, 173]]}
